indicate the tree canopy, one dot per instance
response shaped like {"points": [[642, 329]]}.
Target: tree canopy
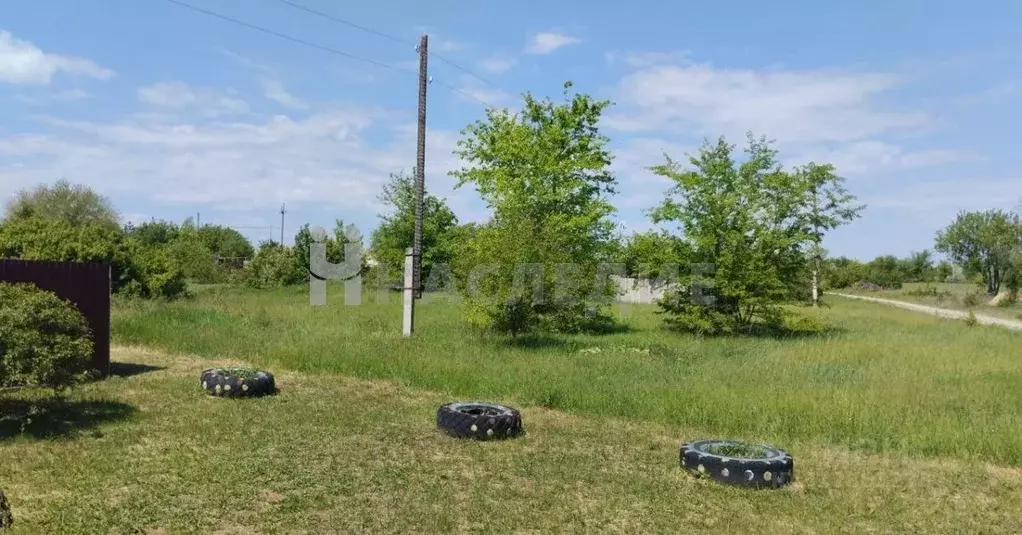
{"points": [[397, 228], [545, 175], [751, 227], [75, 204], [985, 244]]}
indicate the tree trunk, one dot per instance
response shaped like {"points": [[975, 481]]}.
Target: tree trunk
{"points": [[816, 281]]}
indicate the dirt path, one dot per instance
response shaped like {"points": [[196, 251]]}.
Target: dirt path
{"points": [[942, 312]]}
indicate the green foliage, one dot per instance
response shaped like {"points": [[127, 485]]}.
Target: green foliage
{"points": [[886, 271], [225, 243], [133, 272], [653, 255], [397, 229], [756, 224], [334, 246], [544, 173], [275, 266], [970, 300], [943, 271], [918, 267], [984, 244], [971, 320], [206, 255], [44, 340], [842, 272], [153, 233], [74, 204]]}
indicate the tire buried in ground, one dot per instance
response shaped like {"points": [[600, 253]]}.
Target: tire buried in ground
{"points": [[237, 382], [738, 463], [478, 420]]}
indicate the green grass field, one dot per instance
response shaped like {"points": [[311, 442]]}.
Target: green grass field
{"points": [[898, 422], [334, 454]]}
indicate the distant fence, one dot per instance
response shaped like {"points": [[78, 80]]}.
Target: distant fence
{"points": [[87, 285]]}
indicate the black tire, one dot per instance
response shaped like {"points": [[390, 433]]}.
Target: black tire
{"points": [[237, 382], [770, 468], [481, 421]]}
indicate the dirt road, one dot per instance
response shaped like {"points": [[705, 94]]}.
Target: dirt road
{"points": [[942, 312]]}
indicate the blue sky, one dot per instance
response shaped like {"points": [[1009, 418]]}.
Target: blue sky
{"points": [[170, 112]]}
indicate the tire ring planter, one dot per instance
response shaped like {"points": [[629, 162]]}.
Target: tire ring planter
{"points": [[237, 382], [479, 420], [738, 463]]}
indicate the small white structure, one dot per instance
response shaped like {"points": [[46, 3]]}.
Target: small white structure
{"points": [[640, 291]]}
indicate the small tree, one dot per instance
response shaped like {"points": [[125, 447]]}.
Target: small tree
{"points": [[397, 229], [544, 173], [753, 224], [943, 271], [983, 243], [829, 206]]}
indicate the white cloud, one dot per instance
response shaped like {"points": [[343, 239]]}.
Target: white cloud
{"points": [[21, 62], [179, 95], [323, 159], [999, 93], [274, 90], [790, 106], [646, 59], [472, 91], [547, 42], [498, 64], [54, 96], [868, 156]]}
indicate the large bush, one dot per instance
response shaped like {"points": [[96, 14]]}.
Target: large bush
{"points": [[135, 270], [274, 266], [44, 340]]}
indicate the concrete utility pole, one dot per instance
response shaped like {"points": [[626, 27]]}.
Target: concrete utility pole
{"points": [[413, 276], [282, 225], [198, 220]]}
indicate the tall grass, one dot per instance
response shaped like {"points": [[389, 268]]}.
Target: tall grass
{"points": [[887, 380]]}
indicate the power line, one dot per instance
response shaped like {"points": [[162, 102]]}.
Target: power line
{"points": [[288, 37], [339, 20], [320, 47]]}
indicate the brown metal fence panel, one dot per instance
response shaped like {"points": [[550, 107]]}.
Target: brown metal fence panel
{"points": [[87, 285]]}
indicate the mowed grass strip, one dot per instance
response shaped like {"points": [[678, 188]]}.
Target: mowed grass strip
{"points": [[886, 380], [332, 454]]}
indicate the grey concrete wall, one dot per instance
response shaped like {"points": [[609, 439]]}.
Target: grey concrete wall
{"points": [[641, 291]]}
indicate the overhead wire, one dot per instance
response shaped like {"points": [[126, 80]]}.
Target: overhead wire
{"points": [[366, 29], [322, 47]]}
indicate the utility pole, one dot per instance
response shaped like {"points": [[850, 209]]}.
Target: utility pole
{"points": [[413, 283], [282, 211], [198, 220]]}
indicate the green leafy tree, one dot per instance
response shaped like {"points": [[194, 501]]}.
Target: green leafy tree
{"points": [[153, 233], [843, 272], [984, 244], [133, 273], [918, 267], [545, 175], [75, 204], [653, 255], [943, 271], [886, 271], [225, 242], [397, 228], [829, 206], [753, 225]]}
